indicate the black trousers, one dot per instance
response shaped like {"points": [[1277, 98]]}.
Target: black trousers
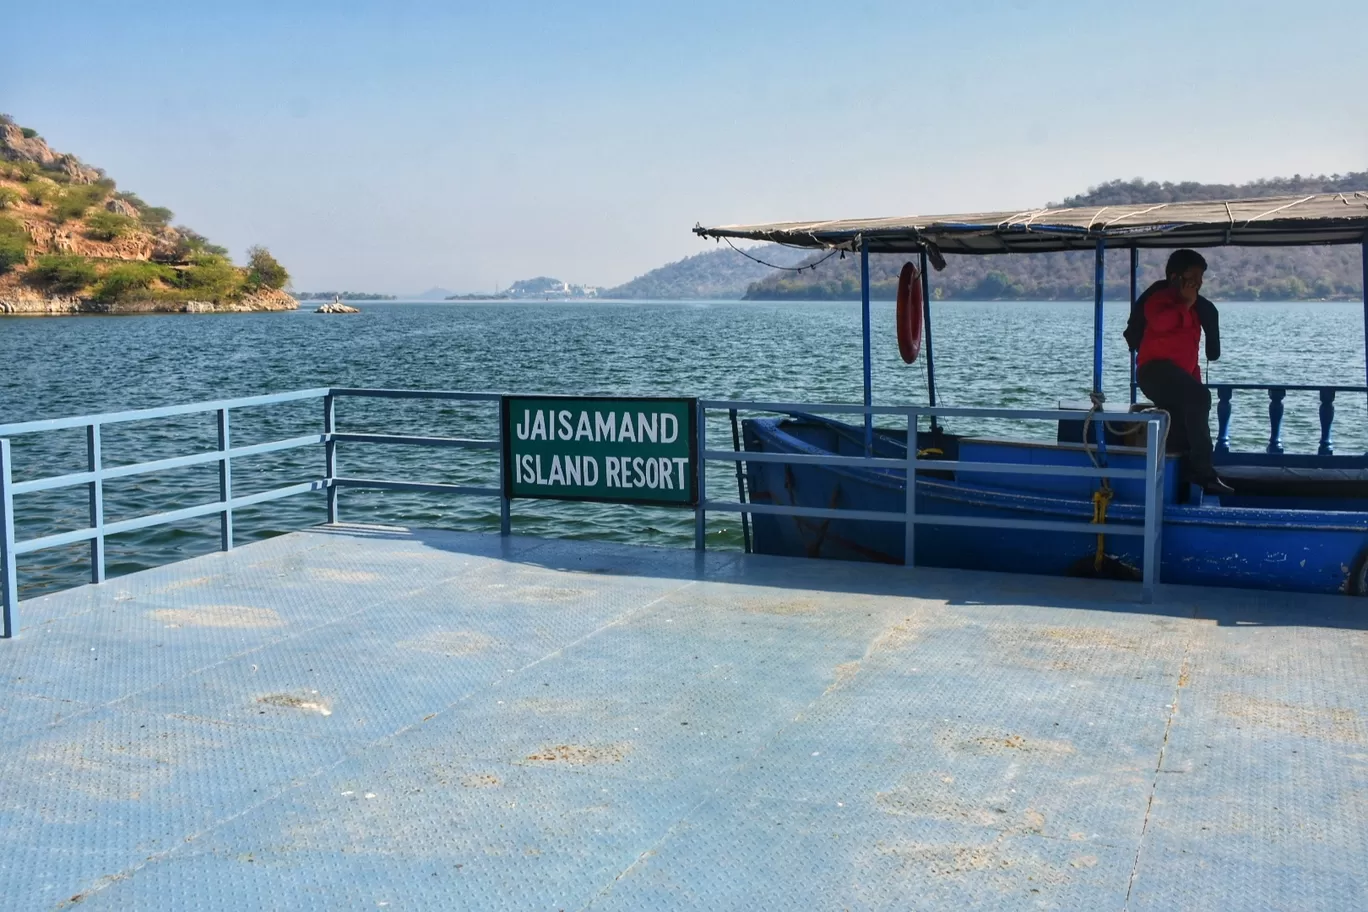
{"points": [[1188, 403]]}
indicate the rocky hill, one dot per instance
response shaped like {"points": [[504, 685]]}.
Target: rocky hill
{"points": [[71, 242], [1236, 273], [722, 274]]}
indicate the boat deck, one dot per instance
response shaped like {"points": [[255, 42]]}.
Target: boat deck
{"points": [[359, 718]]}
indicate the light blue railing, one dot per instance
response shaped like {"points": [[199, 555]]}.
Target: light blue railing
{"points": [[1152, 474], [97, 473], [333, 437], [1277, 393]]}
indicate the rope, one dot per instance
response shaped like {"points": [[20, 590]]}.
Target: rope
{"points": [[1102, 497], [782, 268]]}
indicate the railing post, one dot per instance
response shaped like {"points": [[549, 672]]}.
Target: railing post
{"points": [[1275, 418], [700, 514], [330, 454], [1153, 504], [9, 571], [1098, 280], [910, 507], [1134, 293], [1223, 394], [868, 368], [95, 465], [225, 482], [505, 504], [1327, 419]]}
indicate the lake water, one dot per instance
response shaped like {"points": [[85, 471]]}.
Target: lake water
{"points": [[1002, 353]]}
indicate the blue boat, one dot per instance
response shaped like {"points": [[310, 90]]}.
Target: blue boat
{"points": [[1296, 522]]}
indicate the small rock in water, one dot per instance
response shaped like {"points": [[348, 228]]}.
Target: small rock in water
{"points": [[337, 308]]}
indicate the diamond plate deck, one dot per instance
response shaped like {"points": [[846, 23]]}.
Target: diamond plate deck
{"points": [[360, 717]]}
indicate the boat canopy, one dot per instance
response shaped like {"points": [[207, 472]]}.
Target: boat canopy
{"points": [[1275, 221]]}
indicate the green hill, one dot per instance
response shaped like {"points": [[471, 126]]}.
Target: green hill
{"points": [[1236, 273], [717, 274]]}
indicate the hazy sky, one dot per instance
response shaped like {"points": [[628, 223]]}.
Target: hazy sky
{"points": [[395, 146]]}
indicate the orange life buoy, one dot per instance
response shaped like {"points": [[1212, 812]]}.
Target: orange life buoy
{"points": [[909, 313]]}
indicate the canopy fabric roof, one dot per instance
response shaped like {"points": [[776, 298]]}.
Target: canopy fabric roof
{"points": [[1275, 221]]}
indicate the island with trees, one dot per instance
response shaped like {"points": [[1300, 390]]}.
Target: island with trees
{"points": [[71, 242]]}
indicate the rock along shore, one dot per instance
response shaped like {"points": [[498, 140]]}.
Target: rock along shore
{"points": [[26, 302]]}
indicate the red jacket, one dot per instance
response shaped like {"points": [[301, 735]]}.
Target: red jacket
{"points": [[1172, 332]]}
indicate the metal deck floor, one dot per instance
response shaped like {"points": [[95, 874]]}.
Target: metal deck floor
{"points": [[363, 718]]}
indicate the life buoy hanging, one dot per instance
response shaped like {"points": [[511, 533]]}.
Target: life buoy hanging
{"points": [[910, 305]]}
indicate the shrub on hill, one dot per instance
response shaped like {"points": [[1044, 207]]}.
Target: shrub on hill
{"points": [[9, 198], [73, 202], [13, 244], [210, 277], [106, 226], [154, 217], [62, 273], [127, 279], [39, 191]]}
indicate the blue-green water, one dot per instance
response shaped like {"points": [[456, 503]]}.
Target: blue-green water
{"points": [[1013, 354]]}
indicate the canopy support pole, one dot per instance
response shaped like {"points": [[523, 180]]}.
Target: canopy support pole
{"points": [[926, 331], [1097, 315], [1097, 348], [868, 374], [1134, 293]]}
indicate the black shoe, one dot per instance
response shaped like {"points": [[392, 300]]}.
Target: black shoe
{"points": [[1214, 485]]}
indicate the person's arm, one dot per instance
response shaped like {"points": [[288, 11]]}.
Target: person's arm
{"points": [[1211, 328]]}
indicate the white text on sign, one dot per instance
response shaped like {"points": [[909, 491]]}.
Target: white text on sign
{"points": [[652, 472], [563, 424]]}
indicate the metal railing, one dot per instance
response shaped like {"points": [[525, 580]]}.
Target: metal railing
{"points": [[336, 484], [1276, 394], [97, 473], [1151, 475]]}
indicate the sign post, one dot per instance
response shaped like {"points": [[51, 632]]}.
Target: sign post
{"points": [[609, 450]]}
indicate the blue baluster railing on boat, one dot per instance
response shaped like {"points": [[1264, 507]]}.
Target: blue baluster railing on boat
{"points": [[1277, 394], [1223, 394], [1275, 419], [1327, 421]]}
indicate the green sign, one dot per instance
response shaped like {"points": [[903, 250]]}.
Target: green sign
{"points": [[642, 451]]}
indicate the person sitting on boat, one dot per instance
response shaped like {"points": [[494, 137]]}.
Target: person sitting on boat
{"points": [[1165, 330]]}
